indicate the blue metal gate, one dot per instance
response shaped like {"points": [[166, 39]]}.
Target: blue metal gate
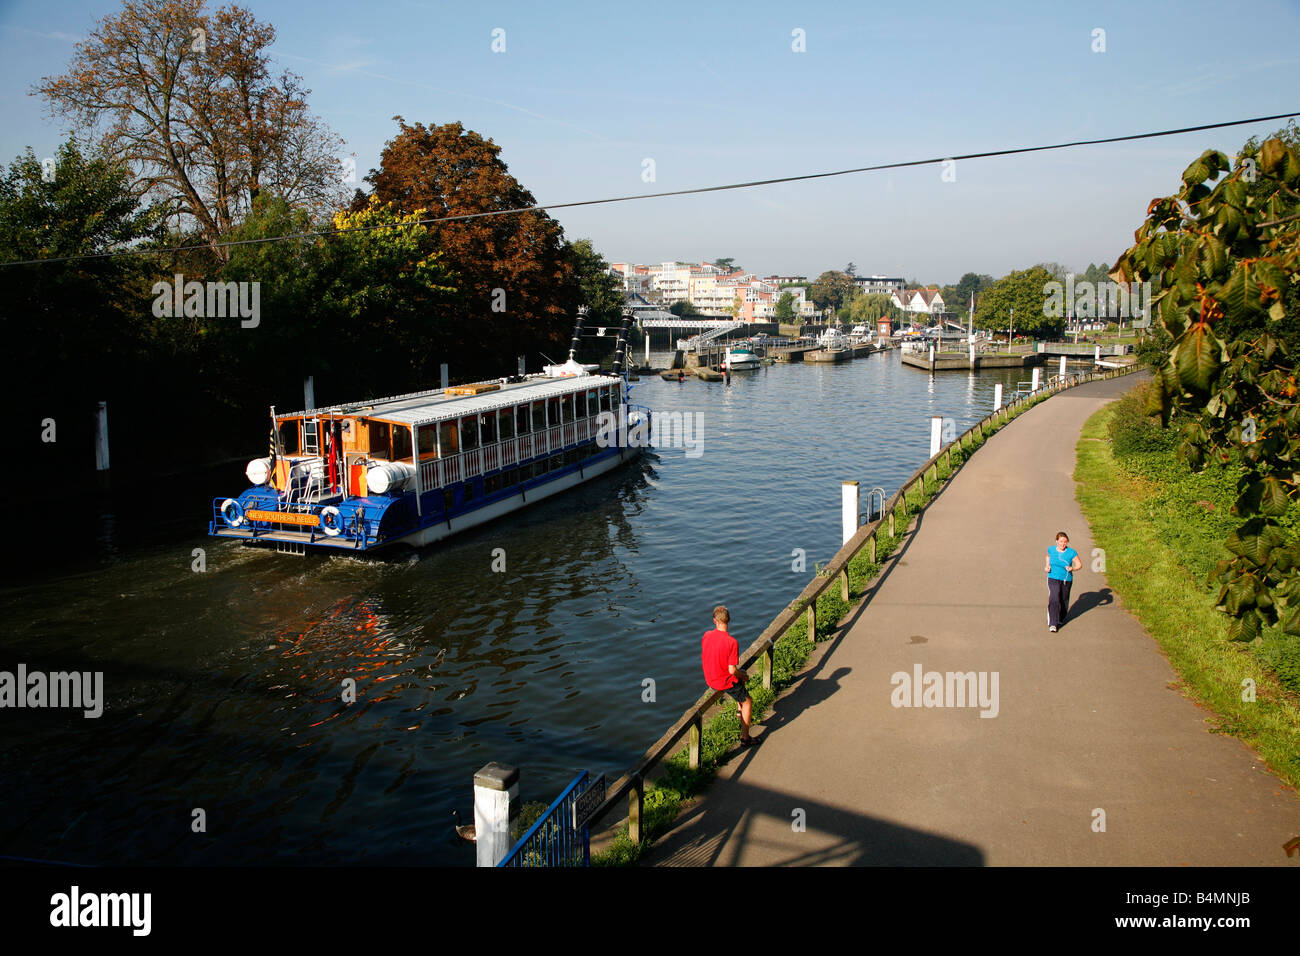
{"points": [[557, 839]]}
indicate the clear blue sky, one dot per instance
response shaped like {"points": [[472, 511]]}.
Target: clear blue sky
{"points": [[714, 93]]}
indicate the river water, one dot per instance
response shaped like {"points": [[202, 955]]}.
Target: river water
{"points": [[223, 686]]}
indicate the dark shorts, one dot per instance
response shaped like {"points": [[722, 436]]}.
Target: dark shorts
{"points": [[737, 692]]}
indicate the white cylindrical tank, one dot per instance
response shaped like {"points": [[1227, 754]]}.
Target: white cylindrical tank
{"points": [[259, 471], [390, 476]]}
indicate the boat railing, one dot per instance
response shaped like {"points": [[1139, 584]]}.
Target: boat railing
{"points": [[440, 472]]}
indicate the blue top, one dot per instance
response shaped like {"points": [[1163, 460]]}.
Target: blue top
{"points": [[1060, 560]]}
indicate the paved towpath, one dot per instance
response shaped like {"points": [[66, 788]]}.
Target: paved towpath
{"points": [[1086, 722]]}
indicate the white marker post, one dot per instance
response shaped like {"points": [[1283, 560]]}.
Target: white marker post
{"points": [[442, 369], [1038, 378], [849, 512], [1062, 366], [647, 348], [972, 355], [1096, 353], [936, 434], [997, 396], [522, 365], [496, 791], [309, 392]]}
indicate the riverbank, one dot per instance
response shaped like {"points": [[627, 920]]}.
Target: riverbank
{"points": [[1162, 530]]}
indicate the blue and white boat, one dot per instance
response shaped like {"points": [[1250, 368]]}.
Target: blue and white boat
{"points": [[416, 468]]}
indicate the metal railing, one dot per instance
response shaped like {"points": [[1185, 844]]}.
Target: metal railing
{"points": [[553, 840], [631, 786]]}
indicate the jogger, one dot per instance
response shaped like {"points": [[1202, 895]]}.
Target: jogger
{"points": [[1061, 563]]}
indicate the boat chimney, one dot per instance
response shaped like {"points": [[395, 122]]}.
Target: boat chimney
{"points": [[620, 349], [577, 333]]}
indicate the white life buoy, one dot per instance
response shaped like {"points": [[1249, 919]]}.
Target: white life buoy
{"points": [[331, 521], [233, 512]]}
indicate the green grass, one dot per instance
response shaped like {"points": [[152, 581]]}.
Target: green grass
{"points": [[665, 796], [1162, 529]]}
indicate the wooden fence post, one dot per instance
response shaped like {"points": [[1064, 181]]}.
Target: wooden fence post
{"points": [[812, 620], [769, 663], [697, 729], [635, 804], [871, 544]]}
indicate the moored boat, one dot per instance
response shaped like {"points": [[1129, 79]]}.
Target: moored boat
{"points": [[743, 357]]}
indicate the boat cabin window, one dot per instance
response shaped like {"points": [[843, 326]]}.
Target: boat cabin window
{"points": [[523, 419], [289, 436], [380, 440], [539, 416], [428, 441], [487, 427], [506, 422], [553, 410], [401, 443], [592, 407], [469, 433], [448, 439], [604, 399]]}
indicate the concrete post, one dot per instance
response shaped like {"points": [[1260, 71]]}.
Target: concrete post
{"points": [[496, 797], [1062, 366], [936, 434], [442, 372], [309, 392], [1038, 378], [849, 510], [1096, 353], [997, 395], [101, 437], [972, 355], [932, 358]]}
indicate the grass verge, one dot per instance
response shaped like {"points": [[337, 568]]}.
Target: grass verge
{"points": [[1161, 528]]}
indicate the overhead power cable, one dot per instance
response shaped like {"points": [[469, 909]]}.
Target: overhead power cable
{"points": [[986, 154]]}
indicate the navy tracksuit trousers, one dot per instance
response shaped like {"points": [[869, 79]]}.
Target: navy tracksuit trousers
{"points": [[1058, 601]]}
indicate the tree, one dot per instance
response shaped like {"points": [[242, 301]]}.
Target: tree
{"points": [[785, 310], [724, 264], [190, 102], [968, 284], [832, 289], [598, 289], [1025, 292], [517, 284], [1223, 261], [850, 270]]}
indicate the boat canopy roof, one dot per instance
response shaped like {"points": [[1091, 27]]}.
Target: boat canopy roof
{"points": [[435, 405]]}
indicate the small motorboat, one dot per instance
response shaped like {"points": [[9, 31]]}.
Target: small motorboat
{"points": [[743, 357]]}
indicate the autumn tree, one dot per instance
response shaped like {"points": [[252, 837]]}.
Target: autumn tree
{"points": [[192, 103], [516, 283], [832, 289], [1223, 257]]}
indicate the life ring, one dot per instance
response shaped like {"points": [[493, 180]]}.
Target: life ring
{"points": [[331, 521], [233, 512]]}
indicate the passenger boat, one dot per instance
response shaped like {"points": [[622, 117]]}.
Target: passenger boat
{"points": [[413, 469]]}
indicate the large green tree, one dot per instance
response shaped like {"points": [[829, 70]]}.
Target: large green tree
{"points": [[598, 289], [1024, 293], [832, 289], [1223, 257]]}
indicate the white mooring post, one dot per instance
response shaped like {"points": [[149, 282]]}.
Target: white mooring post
{"points": [[522, 365], [997, 395], [1038, 378], [309, 392], [442, 373], [972, 355], [101, 437], [1062, 366], [932, 357], [496, 795], [850, 511], [936, 434], [647, 348], [1096, 353]]}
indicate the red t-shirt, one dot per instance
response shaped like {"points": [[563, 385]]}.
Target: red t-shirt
{"points": [[718, 650]]}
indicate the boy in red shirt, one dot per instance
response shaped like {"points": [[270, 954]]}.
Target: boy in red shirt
{"points": [[720, 654]]}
